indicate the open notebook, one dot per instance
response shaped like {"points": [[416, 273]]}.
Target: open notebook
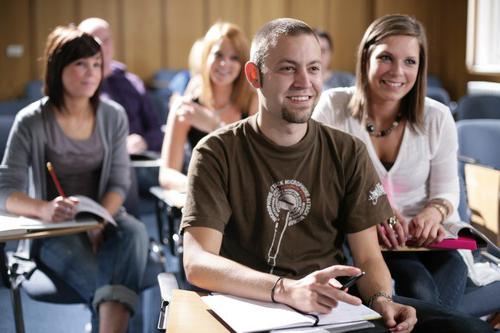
{"points": [[11, 225], [245, 315]]}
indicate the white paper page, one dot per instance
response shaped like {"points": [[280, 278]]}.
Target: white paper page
{"points": [[244, 315], [32, 224], [14, 225], [88, 205], [7, 229], [345, 312], [333, 328]]}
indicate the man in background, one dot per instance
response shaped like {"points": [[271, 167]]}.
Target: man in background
{"points": [[128, 90], [331, 79]]}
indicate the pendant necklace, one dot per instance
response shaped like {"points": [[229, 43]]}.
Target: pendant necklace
{"points": [[372, 130]]}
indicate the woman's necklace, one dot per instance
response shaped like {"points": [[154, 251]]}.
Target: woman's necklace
{"points": [[370, 128], [223, 108]]}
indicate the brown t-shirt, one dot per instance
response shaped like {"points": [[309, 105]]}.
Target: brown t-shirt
{"points": [[283, 210]]}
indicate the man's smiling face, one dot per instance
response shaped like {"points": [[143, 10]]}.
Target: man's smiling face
{"points": [[291, 78]]}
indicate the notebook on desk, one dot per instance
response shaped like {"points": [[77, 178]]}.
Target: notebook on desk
{"points": [[18, 225], [245, 315]]}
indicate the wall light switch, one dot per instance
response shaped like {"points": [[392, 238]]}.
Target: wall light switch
{"points": [[15, 50]]}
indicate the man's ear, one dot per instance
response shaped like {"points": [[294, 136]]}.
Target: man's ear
{"points": [[252, 74]]}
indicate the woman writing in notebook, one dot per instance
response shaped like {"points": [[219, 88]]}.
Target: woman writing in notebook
{"points": [[221, 96], [412, 142], [84, 139]]}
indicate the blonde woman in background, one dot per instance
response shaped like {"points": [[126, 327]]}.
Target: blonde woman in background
{"points": [[223, 97]]}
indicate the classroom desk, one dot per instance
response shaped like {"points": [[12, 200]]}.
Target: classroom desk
{"points": [[13, 275], [188, 314], [169, 204]]}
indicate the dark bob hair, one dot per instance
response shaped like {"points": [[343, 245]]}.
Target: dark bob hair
{"points": [[66, 44]]}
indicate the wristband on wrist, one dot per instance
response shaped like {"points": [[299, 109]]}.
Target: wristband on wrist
{"points": [[444, 204], [378, 294], [442, 211], [273, 289]]}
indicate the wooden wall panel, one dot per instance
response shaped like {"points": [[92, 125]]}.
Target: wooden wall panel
{"points": [[262, 11], [16, 72], [234, 11], [310, 11], [47, 15], [153, 34], [108, 10], [184, 23], [449, 55], [347, 21], [142, 36]]}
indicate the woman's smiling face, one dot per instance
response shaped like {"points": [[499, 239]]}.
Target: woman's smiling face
{"points": [[393, 68]]}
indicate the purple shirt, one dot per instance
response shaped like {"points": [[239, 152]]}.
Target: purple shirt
{"points": [[128, 90]]}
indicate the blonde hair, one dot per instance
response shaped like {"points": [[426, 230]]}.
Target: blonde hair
{"points": [[241, 94], [412, 108]]}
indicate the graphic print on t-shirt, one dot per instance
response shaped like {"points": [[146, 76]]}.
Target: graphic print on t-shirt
{"points": [[288, 203]]}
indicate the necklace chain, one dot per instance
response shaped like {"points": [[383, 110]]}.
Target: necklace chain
{"points": [[372, 130]]}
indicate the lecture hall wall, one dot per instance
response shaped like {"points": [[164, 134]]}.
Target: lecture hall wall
{"points": [[153, 34]]}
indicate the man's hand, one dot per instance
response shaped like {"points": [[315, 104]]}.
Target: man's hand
{"points": [[397, 317], [136, 144], [58, 210], [426, 228], [318, 291]]}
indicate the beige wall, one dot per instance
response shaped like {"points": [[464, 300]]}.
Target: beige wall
{"points": [[151, 34]]}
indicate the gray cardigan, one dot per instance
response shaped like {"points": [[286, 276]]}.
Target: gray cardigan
{"points": [[25, 152]]}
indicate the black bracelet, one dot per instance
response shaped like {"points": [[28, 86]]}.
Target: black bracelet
{"points": [[273, 289]]}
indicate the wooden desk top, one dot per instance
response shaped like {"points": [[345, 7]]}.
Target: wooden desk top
{"points": [[188, 314], [50, 232], [173, 198]]}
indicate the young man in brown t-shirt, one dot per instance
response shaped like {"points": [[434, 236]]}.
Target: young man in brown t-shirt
{"points": [[277, 194]]}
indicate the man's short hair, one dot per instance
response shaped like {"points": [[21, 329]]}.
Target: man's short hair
{"points": [[268, 35]]}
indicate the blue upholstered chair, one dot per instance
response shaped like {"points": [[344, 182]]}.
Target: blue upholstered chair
{"points": [[478, 141], [479, 107], [33, 90], [439, 94], [6, 122], [434, 81], [179, 82]]}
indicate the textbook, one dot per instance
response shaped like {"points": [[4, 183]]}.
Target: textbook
{"points": [[462, 235], [11, 225], [245, 315]]}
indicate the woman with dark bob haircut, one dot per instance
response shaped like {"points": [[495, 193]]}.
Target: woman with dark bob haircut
{"points": [[84, 139], [412, 142]]}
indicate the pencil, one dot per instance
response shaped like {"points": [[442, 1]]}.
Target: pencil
{"points": [[52, 172]]}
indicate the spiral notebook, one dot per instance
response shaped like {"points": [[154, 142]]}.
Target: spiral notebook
{"points": [[245, 315]]}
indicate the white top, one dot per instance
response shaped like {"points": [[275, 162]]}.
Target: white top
{"points": [[426, 164]]}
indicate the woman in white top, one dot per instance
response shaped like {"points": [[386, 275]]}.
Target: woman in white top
{"points": [[412, 142]]}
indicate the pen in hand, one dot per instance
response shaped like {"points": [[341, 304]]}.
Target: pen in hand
{"points": [[352, 280], [52, 173]]}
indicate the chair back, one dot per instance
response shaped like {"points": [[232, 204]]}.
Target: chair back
{"points": [[439, 94], [478, 143], [33, 90], [6, 122], [479, 139], [434, 81], [479, 107]]}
